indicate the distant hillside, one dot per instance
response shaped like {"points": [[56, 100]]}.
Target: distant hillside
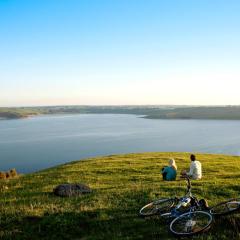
{"points": [[15, 113], [121, 185], [197, 113], [151, 112]]}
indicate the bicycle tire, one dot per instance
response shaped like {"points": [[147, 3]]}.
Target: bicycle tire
{"points": [[191, 223], [227, 207], [159, 206]]}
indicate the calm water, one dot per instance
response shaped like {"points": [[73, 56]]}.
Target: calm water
{"points": [[36, 143]]}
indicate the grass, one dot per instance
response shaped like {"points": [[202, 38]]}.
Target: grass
{"points": [[121, 185]]}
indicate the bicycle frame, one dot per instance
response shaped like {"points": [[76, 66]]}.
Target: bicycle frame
{"points": [[183, 202]]}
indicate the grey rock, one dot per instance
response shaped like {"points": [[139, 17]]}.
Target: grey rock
{"points": [[70, 189]]}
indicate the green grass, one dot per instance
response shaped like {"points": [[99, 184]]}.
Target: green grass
{"points": [[121, 185]]}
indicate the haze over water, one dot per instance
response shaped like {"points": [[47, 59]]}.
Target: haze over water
{"points": [[40, 142]]}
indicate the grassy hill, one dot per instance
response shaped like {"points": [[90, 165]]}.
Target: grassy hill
{"points": [[121, 185], [16, 113]]}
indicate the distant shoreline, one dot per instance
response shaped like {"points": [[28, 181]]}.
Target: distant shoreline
{"points": [[149, 112]]}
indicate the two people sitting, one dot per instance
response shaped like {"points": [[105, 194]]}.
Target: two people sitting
{"points": [[169, 173]]}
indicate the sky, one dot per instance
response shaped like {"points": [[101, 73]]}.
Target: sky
{"points": [[119, 52]]}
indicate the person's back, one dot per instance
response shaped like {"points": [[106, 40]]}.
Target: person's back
{"points": [[170, 173], [195, 170]]}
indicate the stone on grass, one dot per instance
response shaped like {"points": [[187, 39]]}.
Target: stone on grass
{"points": [[9, 174], [71, 189], [13, 173], [2, 175]]}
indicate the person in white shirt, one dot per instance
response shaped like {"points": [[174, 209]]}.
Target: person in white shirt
{"points": [[195, 171]]}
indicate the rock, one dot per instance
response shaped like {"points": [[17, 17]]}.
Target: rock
{"points": [[13, 173], [2, 175], [10, 174], [69, 190]]}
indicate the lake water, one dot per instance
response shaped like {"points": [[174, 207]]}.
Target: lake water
{"points": [[35, 143]]}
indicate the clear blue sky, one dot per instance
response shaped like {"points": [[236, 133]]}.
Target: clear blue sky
{"points": [[119, 52]]}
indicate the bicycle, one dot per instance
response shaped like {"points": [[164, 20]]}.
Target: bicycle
{"points": [[225, 208], [188, 215]]}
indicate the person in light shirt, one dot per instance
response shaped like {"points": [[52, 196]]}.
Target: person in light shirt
{"points": [[195, 171]]}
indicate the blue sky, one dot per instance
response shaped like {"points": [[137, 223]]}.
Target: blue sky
{"points": [[55, 52]]}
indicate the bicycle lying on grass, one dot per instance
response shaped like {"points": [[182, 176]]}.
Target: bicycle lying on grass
{"points": [[227, 207], [188, 215]]}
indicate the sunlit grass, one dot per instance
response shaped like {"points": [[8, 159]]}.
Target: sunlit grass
{"points": [[121, 185]]}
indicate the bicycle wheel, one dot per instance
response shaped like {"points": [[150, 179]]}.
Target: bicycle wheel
{"points": [[159, 206], [225, 208], [191, 223]]}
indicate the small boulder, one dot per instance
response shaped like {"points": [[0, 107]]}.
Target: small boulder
{"points": [[71, 189], [7, 174], [13, 173], [2, 175]]}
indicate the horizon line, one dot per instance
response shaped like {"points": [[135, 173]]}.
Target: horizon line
{"points": [[125, 105]]}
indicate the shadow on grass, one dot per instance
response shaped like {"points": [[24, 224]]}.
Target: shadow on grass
{"points": [[117, 220], [85, 225]]}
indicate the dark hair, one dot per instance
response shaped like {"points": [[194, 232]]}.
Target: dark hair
{"points": [[193, 157]]}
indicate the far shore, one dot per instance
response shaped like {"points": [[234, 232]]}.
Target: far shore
{"points": [[150, 112]]}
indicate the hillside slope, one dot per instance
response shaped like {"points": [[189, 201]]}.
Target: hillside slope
{"points": [[122, 184]]}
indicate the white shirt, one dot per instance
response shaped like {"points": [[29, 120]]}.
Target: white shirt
{"points": [[195, 170]]}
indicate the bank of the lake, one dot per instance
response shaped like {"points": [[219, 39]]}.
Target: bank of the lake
{"points": [[121, 185], [150, 111]]}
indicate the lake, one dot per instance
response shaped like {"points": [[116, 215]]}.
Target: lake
{"points": [[39, 142]]}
